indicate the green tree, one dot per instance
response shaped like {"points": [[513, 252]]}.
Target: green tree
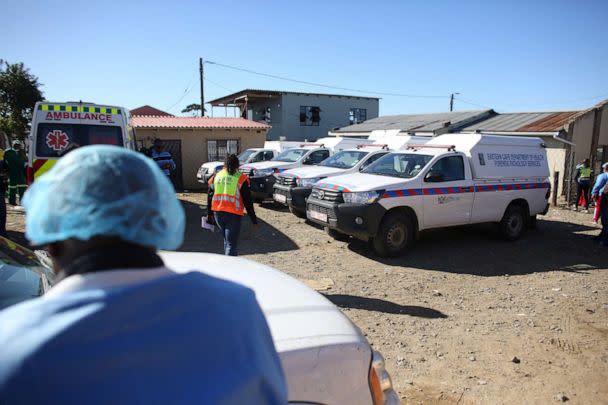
{"points": [[193, 108], [19, 91]]}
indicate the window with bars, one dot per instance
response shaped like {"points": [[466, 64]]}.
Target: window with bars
{"points": [[310, 116], [218, 149], [357, 115]]}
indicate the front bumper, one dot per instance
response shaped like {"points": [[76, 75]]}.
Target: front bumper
{"points": [[341, 217], [261, 187], [204, 179], [295, 196]]}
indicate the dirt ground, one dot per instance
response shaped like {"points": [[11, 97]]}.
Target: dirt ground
{"points": [[464, 317]]}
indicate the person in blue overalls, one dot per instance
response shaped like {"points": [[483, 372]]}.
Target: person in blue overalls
{"points": [[120, 327], [163, 158]]}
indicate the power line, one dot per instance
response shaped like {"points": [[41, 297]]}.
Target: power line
{"points": [[381, 93], [186, 91]]}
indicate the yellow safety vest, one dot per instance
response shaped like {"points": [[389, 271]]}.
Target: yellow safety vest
{"points": [[227, 192]]}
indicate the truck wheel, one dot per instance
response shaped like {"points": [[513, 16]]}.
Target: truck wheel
{"points": [[297, 213], [339, 236], [395, 234], [513, 223]]}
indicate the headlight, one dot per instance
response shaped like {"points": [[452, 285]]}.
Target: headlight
{"points": [[263, 172], [380, 382], [307, 182], [365, 197]]}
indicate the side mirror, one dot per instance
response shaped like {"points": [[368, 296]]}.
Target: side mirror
{"points": [[308, 161], [433, 177]]}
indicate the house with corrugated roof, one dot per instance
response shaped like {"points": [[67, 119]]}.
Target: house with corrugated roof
{"points": [[195, 140], [296, 116], [570, 136]]}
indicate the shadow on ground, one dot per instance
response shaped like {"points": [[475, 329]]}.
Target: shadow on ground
{"points": [[480, 251], [378, 305], [264, 239]]}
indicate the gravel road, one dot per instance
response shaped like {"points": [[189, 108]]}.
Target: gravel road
{"points": [[464, 317]]}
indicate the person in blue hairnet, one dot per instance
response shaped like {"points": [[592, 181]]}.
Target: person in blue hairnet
{"points": [[120, 327]]}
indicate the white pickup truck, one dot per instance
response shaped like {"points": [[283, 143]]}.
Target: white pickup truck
{"points": [[454, 179], [293, 186], [263, 174]]}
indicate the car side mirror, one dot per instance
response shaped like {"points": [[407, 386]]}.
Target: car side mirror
{"points": [[433, 177], [308, 161]]}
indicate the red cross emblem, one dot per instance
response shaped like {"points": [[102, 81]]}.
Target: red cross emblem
{"points": [[57, 140]]}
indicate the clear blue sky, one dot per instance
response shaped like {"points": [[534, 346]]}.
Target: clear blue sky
{"points": [[509, 55]]}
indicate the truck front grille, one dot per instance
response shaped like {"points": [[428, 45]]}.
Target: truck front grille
{"points": [[327, 195], [288, 181]]}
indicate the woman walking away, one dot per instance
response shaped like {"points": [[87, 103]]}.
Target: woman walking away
{"points": [[229, 195]]}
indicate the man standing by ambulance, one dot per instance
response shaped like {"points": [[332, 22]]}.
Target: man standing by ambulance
{"points": [[15, 159], [227, 198]]}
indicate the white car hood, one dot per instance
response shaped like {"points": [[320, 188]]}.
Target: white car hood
{"points": [[298, 316], [266, 165], [308, 172], [362, 182]]}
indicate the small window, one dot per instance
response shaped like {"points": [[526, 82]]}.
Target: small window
{"points": [[319, 156], [452, 168], [268, 155], [219, 149], [357, 115], [310, 116]]}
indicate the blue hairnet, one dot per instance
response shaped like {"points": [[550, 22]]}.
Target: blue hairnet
{"points": [[104, 190]]}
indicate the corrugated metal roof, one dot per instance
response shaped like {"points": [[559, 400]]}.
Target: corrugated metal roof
{"points": [[524, 122], [417, 122], [151, 121], [269, 93], [553, 123]]}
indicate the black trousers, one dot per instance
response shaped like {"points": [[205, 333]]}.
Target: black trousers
{"points": [[583, 189]]}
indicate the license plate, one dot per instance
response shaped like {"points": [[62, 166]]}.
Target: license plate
{"points": [[319, 216], [280, 198]]}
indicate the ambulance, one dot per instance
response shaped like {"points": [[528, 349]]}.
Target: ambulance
{"points": [[293, 186], [455, 179], [58, 128]]}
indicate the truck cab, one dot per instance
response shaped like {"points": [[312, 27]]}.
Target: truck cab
{"points": [[293, 186], [263, 174], [452, 180]]}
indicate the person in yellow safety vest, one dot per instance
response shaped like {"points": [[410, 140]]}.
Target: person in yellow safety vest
{"points": [[583, 181], [228, 197]]}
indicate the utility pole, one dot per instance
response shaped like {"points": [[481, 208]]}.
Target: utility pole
{"points": [[452, 100], [200, 62]]}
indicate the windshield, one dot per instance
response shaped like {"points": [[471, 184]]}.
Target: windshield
{"points": [[53, 140], [344, 160], [405, 165], [22, 276], [246, 155], [291, 155]]}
